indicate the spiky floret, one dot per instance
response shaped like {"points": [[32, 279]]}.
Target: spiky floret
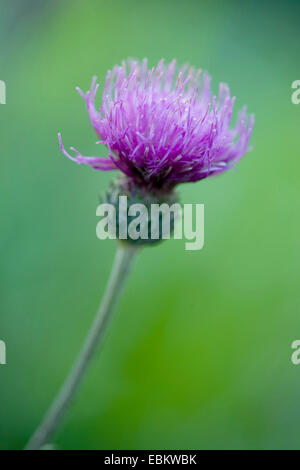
{"points": [[163, 128]]}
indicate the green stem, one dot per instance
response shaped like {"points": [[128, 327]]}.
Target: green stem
{"points": [[54, 416]]}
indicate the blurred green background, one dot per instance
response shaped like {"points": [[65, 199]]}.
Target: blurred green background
{"points": [[198, 354]]}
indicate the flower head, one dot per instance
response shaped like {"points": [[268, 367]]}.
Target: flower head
{"points": [[163, 128]]}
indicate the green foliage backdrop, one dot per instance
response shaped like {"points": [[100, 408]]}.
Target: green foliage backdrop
{"points": [[198, 355]]}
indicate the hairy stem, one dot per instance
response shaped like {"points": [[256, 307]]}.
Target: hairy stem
{"points": [[54, 416]]}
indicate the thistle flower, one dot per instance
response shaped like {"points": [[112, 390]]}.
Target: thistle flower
{"points": [[162, 129]]}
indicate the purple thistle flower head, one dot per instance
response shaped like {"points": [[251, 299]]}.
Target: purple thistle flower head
{"points": [[164, 127]]}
